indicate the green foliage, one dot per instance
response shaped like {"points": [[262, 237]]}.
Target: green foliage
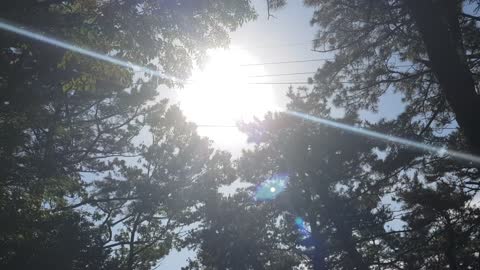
{"points": [[97, 173], [369, 205], [331, 187], [72, 194], [238, 233], [382, 47], [34, 239]]}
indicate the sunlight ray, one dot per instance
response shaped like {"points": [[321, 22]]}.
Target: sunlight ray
{"points": [[441, 151], [74, 48]]}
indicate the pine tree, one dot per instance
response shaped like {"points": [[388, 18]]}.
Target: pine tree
{"points": [[72, 128], [426, 51]]}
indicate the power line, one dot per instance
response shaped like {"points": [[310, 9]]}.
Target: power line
{"points": [[282, 74], [262, 83], [289, 83], [306, 61], [295, 44], [267, 83], [288, 62], [217, 126]]}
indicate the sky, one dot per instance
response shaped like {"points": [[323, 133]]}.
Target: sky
{"points": [[286, 37]]}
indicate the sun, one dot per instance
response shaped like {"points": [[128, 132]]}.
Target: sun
{"points": [[224, 92]]}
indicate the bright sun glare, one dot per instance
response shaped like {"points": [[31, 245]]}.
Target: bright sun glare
{"points": [[222, 93]]}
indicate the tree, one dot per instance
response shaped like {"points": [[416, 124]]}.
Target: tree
{"points": [[33, 239], [240, 233], [425, 50], [331, 188], [315, 201], [340, 202], [143, 207], [68, 121], [363, 204], [441, 226]]}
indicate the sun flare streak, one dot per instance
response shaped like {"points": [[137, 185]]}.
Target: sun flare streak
{"points": [[74, 48], [441, 151]]}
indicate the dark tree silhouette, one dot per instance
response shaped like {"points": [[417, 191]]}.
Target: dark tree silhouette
{"points": [[425, 50], [97, 173], [72, 195]]}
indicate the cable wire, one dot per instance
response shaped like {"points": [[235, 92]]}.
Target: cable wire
{"points": [[295, 44], [216, 126], [262, 83], [282, 74], [288, 62]]}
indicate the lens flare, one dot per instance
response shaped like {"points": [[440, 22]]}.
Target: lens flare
{"points": [[441, 151], [4, 25], [270, 189], [302, 228]]}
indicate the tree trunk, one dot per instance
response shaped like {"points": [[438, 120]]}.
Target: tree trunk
{"points": [[437, 22], [131, 250]]}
